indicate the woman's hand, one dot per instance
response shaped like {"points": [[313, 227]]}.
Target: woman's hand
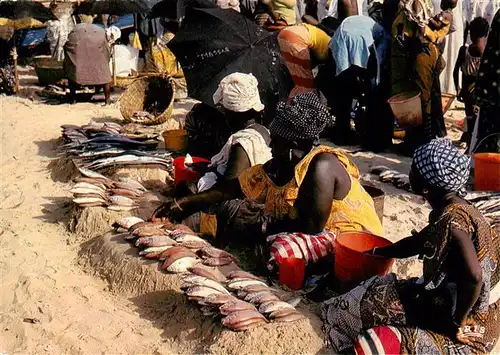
{"points": [[171, 210], [200, 167]]}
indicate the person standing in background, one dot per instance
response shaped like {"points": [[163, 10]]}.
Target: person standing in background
{"points": [[452, 44], [58, 30], [468, 61], [487, 94]]}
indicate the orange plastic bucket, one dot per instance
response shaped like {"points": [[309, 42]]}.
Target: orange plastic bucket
{"points": [[291, 272], [352, 265], [175, 139], [487, 171]]}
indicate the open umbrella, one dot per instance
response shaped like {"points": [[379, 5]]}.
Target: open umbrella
{"points": [[175, 9], [213, 43], [18, 10], [113, 7]]}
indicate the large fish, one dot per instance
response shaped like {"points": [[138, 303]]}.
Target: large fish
{"points": [[182, 265], [127, 222]]}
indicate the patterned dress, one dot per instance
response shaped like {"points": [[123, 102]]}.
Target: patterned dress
{"points": [[488, 92], [412, 316]]}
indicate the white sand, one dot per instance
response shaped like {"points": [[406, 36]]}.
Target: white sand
{"points": [[75, 312]]}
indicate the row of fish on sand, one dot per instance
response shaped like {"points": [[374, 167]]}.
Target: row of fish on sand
{"points": [[94, 189], [98, 146], [241, 299], [488, 203]]}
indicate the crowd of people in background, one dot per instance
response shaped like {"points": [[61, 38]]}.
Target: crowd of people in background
{"points": [[354, 55]]}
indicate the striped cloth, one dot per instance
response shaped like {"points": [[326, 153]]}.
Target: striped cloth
{"points": [[301, 246], [379, 340], [294, 45]]}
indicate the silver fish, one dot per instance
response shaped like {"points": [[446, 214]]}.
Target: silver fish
{"points": [[82, 200], [154, 250], [182, 265], [121, 200], [271, 306], [201, 291], [238, 284], [86, 185], [127, 222], [203, 281]]}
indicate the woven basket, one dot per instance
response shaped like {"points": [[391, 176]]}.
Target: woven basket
{"points": [[151, 94], [49, 71]]}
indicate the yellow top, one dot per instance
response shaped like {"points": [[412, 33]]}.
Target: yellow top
{"points": [[356, 212], [288, 13], [319, 41], [437, 36], [409, 29]]}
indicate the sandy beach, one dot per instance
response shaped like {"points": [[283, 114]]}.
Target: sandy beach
{"points": [[52, 303]]}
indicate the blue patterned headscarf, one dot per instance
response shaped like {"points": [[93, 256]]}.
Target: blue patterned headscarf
{"points": [[442, 165]]}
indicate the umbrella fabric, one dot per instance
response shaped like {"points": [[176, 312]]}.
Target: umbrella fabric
{"points": [[113, 7], [17, 10], [213, 43], [21, 24], [176, 9]]}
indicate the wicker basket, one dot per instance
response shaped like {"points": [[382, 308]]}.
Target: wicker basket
{"points": [[49, 71], [145, 93]]}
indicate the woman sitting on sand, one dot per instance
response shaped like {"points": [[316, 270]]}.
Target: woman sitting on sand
{"points": [[301, 189], [454, 307]]}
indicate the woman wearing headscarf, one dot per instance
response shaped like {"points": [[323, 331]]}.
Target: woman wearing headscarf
{"points": [[303, 188], [454, 307], [248, 144], [487, 92]]}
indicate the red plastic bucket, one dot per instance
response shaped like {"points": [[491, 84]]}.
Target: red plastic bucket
{"points": [[352, 265], [487, 171], [182, 173], [291, 272]]}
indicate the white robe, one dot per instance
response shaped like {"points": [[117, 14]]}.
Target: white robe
{"points": [[453, 43]]}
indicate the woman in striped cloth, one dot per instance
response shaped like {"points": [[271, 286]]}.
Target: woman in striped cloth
{"points": [[303, 47], [454, 307]]}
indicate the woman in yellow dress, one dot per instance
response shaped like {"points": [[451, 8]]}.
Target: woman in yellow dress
{"points": [[302, 189]]}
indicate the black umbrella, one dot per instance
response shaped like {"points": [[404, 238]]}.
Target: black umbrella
{"points": [[213, 43], [17, 10], [175, 9], [113, 7]]}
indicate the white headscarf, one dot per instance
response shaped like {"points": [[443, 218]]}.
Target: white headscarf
{"points": [[239, 92]]}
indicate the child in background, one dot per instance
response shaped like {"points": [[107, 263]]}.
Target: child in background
{"points": [[469, 58]]}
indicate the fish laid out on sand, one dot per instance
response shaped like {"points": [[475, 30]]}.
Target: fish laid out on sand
{"points": [[242, 300]]}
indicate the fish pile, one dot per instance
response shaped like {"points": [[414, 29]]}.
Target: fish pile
{"points": [[94, 189], [242, 299], [143, 116], [488, 203], [102, 145], [401, 181]]}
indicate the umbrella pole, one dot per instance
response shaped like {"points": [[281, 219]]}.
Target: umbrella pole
{"points": [[16, 74], [113, 56]]}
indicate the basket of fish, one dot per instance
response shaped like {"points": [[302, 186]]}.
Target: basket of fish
{"points": [[148, 100]]}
